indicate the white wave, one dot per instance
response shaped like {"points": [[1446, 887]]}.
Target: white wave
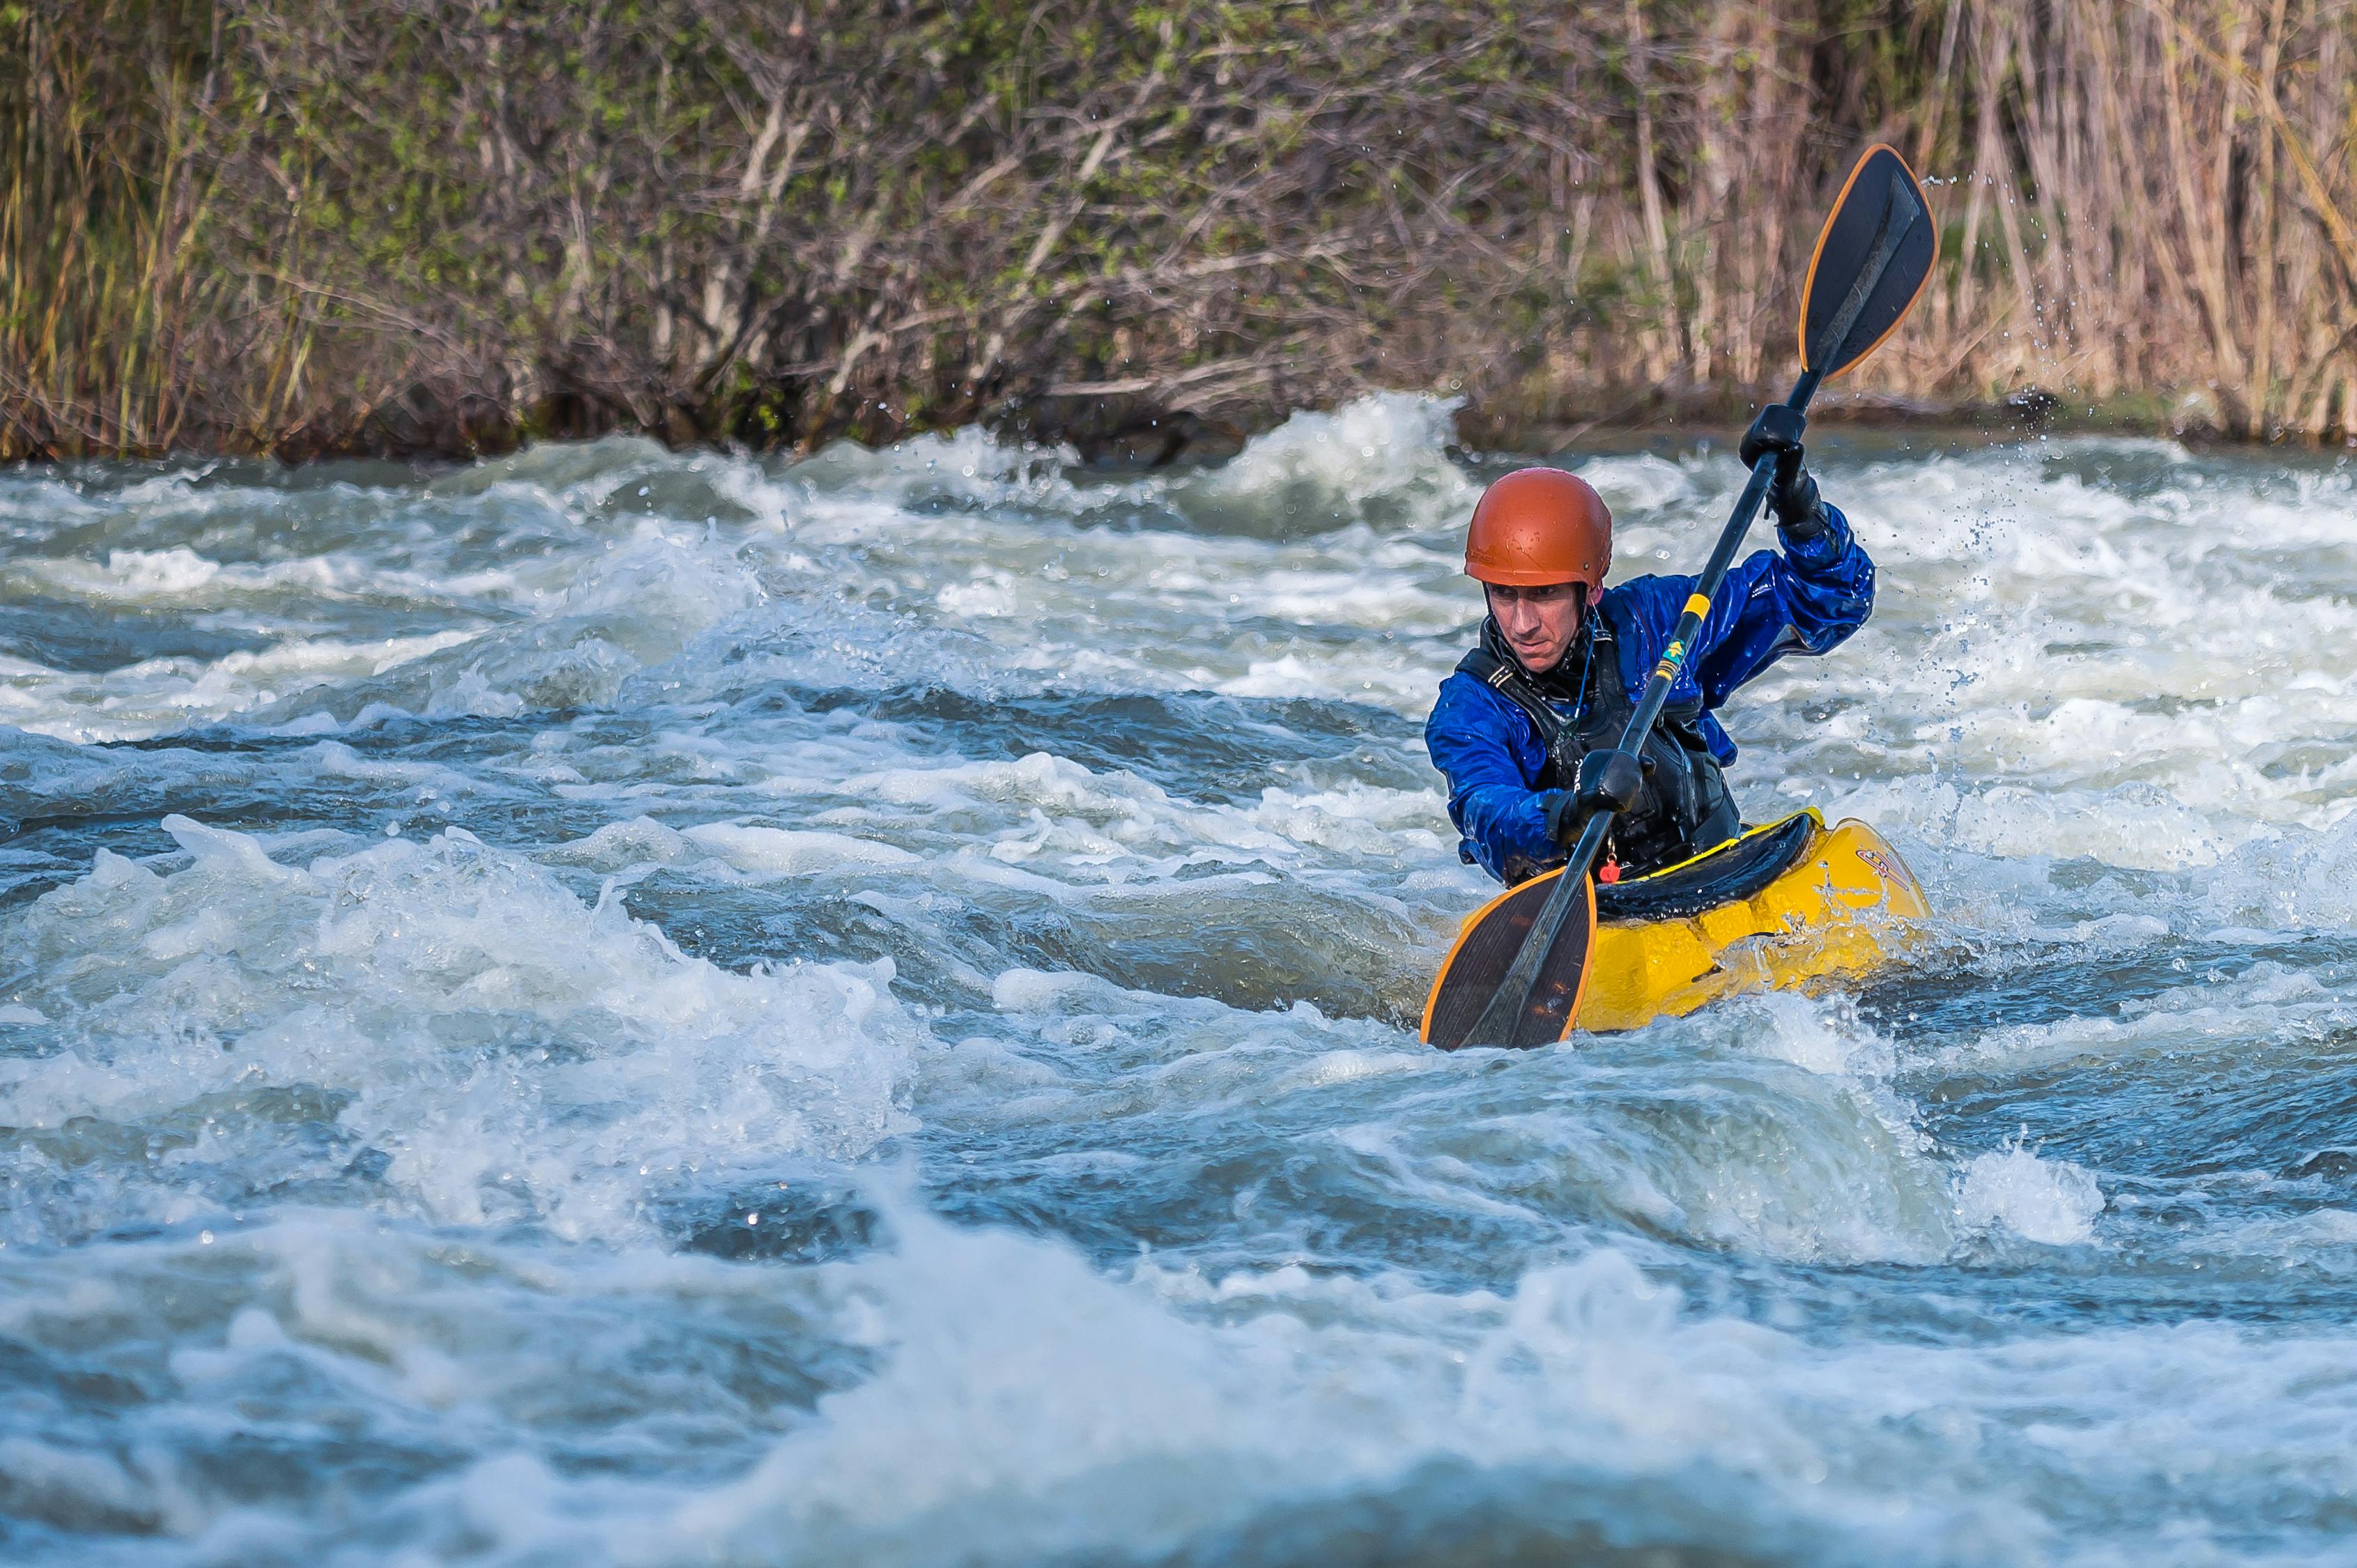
{"points": [[2052, 1201], [156, 695], [966, 471], [1378, 459], [509, 1050], [789, 851], [1020, 1405]]}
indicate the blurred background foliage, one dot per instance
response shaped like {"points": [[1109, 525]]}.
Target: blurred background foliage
{"points": [[442, 226]]}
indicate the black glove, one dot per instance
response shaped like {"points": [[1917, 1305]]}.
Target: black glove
{"points": [[1563, 816], [1791, 494], [1608, 781]]}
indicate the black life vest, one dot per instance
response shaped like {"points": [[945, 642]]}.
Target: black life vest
{"points": [[1684, 808]]}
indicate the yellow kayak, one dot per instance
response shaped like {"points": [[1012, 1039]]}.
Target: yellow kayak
{"points": [[1781, 906]]}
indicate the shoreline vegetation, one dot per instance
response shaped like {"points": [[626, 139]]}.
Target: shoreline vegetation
{"points": [[444, 226]]}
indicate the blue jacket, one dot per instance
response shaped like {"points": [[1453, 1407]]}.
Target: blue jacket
{"points": [[1804, 600]]}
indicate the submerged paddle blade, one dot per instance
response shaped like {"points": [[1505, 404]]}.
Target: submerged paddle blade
{"points": [[1873, 258], [1485, 951]]}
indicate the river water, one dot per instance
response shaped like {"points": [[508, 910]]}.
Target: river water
{"points": [[611, 1005]]}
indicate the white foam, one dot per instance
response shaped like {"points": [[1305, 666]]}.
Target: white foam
{"points": [[1029, 1409], [1028, 990], [786, 852], [2051, 1201], [1380, 456], [510, 1049]]}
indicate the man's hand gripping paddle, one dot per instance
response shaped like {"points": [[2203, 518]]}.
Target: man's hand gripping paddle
{"points": [[1516, 975]]}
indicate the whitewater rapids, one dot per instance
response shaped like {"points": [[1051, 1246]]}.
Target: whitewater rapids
{"points": [[621, 1006]]}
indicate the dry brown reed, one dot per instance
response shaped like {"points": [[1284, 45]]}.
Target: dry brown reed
{"points": [[438, 225]]}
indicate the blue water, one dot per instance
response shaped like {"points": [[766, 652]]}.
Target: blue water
{"points": [[619, 1006]]}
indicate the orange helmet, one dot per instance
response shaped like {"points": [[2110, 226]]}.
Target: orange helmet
{"points": [[1536, 526]]}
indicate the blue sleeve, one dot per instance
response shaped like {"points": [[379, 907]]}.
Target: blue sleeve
{"points": [[1804, 599], [1489, 751]]}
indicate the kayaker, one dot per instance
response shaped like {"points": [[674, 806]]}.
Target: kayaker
{"points": [[1526, 728]]}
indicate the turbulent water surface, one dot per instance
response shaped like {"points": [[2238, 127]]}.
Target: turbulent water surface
{"points": [[615, 1005]]}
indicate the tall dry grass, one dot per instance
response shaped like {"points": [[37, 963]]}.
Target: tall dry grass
{"points": [[442, 224]]}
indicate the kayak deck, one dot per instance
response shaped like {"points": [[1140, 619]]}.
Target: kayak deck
{"points": [[1783, 905], [1835, 903]]}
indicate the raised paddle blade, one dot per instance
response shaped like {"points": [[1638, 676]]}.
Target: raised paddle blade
{"points": [[1873, 258], [1485, 951]]}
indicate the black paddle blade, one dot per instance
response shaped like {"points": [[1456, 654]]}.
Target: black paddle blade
{"points": [[1873, 258], [1470, 975]]}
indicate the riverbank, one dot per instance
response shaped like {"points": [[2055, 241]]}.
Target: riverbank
{"points": [[1648, 418], [354, 226]]}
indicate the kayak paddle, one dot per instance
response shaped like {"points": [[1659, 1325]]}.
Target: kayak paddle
{"points": [[1517, 974]]}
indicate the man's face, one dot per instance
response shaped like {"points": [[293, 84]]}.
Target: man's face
{"points": [[1539, 623]]}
